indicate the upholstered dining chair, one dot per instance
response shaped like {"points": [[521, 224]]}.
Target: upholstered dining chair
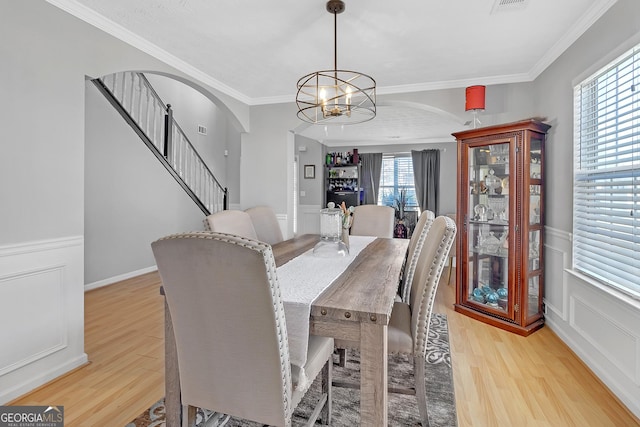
{"points": [[373, 220], [413, 252], [230, 330], [409, 323], [452, 252], [231, 222], [266, 224]]}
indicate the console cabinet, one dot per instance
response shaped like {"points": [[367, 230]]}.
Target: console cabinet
{"points": [[342, 184], [500, 218]]}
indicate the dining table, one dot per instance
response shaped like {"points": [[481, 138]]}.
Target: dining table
{"points": [[355, 306]]}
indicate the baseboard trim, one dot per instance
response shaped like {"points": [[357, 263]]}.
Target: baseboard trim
{"points": [[618, 392], [118, 278], [43, 379]]}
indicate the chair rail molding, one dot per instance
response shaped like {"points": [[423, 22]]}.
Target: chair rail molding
{"points": [[599, 324], [41, 313]]}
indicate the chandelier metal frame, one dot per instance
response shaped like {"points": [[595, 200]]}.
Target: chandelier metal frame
{"points": [[336, 96]]}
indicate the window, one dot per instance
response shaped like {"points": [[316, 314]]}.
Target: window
{"points": [[397, 175], [606, 210]]}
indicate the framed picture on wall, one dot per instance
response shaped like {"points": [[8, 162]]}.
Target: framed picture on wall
{"points": [[309, 171]]}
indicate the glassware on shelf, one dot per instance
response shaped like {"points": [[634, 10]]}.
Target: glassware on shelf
{"points": [[502, 292], [492, 299], [498, 206], [477, 295], [492, 182], [492, 244], [481, 212]]}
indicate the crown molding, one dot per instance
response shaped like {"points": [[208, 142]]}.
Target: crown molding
{"points": [[594, 13], [418, 87], [95, 19]]}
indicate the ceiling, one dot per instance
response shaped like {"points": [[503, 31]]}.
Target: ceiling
{"points": [[256, 51]]}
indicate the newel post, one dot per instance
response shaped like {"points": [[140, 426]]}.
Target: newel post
{"points": [[168, 140]]}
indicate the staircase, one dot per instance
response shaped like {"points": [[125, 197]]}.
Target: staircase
{"points": [[138, 103]]}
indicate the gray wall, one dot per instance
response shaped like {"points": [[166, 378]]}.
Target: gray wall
{"points": [[220, 148], [599, 324], [46, 54], [130, 198], [265, 177], [191, 109]]}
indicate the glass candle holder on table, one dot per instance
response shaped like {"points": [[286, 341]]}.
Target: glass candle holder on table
{"points": [[331, 243]]}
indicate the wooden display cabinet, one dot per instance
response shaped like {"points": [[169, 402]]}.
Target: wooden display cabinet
{"points": [[500, 274]]}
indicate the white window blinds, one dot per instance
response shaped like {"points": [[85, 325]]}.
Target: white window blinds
{"points": [[397, 175], [606, 213]]}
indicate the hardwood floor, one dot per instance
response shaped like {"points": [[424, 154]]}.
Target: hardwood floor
{"points": [[501, 379], [124, 339]]}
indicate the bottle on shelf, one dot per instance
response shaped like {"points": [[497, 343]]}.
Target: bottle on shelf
{"points": [[342, 158]]}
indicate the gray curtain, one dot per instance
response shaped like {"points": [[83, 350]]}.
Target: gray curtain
{"points": [[426, 174], [371, 170]]}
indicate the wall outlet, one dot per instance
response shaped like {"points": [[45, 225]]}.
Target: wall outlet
{"points": [[303, 193]]}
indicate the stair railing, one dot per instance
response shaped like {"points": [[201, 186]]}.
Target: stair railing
{"points": [[138, 103]]}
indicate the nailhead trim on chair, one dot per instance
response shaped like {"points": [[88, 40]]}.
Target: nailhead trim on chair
{"points": [[428, 295], [411, 268]]}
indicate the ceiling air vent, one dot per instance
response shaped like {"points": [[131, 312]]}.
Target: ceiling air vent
{"points": [[202, 130], [508, 5]]}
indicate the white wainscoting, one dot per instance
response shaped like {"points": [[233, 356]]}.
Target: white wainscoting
{"points": [[282, 222], [41, 313], [601, 325], [309, 219]]}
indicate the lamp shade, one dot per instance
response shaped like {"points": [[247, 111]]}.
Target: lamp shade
{"points": [[474, 98]]}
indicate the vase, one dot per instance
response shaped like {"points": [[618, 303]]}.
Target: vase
{"points": [[345, 237]]}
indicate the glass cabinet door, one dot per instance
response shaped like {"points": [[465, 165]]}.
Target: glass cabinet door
{"points": [[534, 248], [487, 281], [535, 178]]}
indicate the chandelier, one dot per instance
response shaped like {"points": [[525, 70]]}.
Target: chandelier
{"points": [[336, 96]]}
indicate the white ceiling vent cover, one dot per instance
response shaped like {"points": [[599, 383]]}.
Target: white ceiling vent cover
{"points": [[508, 5]]}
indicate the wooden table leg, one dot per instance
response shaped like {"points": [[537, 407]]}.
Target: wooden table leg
{"points": [[172, 404], [373, 375]]}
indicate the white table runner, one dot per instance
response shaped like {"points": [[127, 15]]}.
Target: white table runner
{"points": [[301, 281]]}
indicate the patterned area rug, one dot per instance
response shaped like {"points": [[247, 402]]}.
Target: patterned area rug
{"points": [[403, 410]]}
